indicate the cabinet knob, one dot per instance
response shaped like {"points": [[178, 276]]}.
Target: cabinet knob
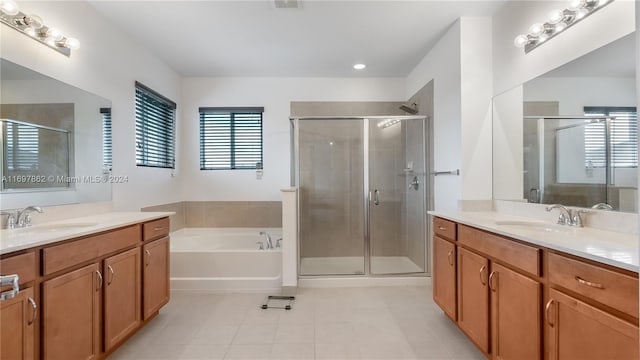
{"points": [[112, 274], [589, 283], [546, 312], [482, 269], [35, 310], [491, 287], [100, 280], [450, 257], [148, 257]]}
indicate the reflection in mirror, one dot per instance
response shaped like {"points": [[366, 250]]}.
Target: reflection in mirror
{"points": [[34, 156], [53, 141], [570, 136]]}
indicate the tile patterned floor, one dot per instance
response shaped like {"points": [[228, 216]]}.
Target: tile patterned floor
{"points": [[337, 323]]}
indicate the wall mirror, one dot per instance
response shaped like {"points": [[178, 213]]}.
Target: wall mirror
{"points": [[570, 136], [52, 143]]}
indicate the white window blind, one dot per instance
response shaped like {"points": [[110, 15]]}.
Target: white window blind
{"points": [[107, 147], [623, 137], [22, 147], [155, 129], [231, 138]]}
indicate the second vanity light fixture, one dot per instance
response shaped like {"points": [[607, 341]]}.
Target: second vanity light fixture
{"points": [[33, 26], [558, 21]]}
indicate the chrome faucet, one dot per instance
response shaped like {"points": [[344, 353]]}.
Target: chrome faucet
{"points": [[24, 215], [567, 216], [267, 238]]}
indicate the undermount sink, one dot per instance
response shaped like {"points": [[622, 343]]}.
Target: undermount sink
{"points": [[61, 227], [535, 225]]}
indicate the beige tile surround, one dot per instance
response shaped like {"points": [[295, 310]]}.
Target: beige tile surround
{"points": [[257, 214]]}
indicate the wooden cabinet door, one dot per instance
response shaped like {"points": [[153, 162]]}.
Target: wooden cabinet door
{"points": [[577, 330], [17, 326], [473, 297], [444, 276], [515, 308], [155, 276], [121, 296], [71, 315]]}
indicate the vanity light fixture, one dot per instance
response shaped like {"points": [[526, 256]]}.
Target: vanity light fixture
{"points": [[33, 26], [557, 21]]}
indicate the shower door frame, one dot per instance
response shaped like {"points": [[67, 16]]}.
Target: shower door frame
{"points": [[295, 179]]}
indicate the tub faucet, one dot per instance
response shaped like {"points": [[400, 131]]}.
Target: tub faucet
{"points": [[267, 238], [24, 217]]}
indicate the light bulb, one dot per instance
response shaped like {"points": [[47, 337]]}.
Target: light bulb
{"points": [[72, 43], [542, 38], [575, 5], [521, 40], [33, 21], [55, 34], [581, 13], [561, 26], [9, 7], [30, 31], [51, 41], [536, 29], [556, 16]]}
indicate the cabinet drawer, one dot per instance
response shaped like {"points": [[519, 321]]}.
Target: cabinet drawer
{"points": [[155, 229], [602, 285], [62, 256], [24, 265], [444, 228], [521, 256]]}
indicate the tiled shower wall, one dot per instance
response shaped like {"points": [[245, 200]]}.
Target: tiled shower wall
{"points": [[258, 214]]}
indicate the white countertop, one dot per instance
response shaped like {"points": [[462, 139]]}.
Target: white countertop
{"points": [[607, 247], [51, 232]]}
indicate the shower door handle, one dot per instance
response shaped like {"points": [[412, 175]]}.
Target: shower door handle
{"points": [[376, 197]]}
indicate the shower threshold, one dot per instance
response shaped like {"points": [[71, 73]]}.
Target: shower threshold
{"points": [[354, 265]]}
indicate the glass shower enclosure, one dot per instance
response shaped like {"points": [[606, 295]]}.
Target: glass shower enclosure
{"points": [[362, 195]]}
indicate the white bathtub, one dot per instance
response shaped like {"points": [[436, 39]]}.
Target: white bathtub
{"points": [[224, 260]]}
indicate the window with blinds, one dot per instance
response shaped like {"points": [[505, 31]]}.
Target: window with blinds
{"points": [[23, 142], [623, 137], [107, 157], [155, 129], [231, 138]]}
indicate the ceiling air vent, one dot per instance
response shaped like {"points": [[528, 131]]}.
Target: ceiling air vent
{"points": [[287, 4]]}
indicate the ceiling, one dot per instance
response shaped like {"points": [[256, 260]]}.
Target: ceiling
{"points": [[616, 59], [319, 39]]}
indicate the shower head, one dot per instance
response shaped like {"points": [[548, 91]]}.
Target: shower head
{"points": [[411, 109]]}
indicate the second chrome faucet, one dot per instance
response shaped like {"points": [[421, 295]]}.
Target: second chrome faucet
{"points": [[568, 216]]}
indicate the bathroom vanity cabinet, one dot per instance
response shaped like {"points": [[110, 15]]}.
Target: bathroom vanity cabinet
{"points": [[17, 326], [516, 300], [444, 264], [87, 294]]}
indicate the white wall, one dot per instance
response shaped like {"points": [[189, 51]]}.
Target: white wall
{"points": [[275, 94], [442, 65], [512, 67], [107, 64], [476, 93], [460, 65]]}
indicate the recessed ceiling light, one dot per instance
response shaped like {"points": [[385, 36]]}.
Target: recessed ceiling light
{"points": [[359, 66]]}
